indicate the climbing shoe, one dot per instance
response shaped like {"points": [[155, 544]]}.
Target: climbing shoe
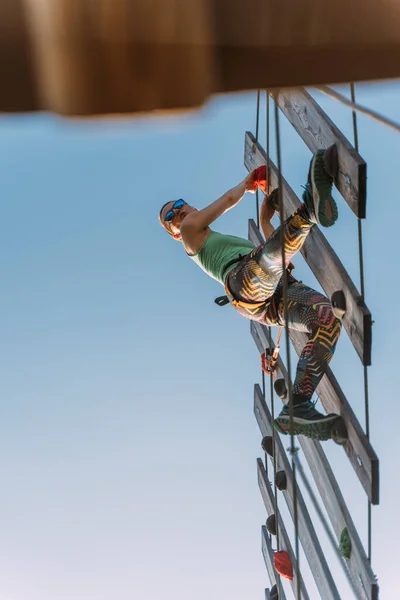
{"points": [[306, 421], [317, 195]]}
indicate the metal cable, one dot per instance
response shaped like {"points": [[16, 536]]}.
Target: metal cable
{"points": [[271, 383], [287, 338], [358, 108], [278, 578], [362, 285], [257, 129]]}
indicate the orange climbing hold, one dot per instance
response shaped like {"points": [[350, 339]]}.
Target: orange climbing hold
{"points": [[283, 564]]}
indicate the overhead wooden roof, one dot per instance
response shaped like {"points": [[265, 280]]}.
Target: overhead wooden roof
{"points": [[85, 57]]}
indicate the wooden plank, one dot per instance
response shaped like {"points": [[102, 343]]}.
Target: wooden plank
{"points": [[335, 505], [298, 43], [268, 554], [284, 541], [307, 534], [321, 258], [119, 56], [17, 77], [318, 131], [358, 449]]}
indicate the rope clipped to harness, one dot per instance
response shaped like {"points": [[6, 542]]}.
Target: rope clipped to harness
{"points": [[268, 360]]}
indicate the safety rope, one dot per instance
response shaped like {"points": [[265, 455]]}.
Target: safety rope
{"points": [[293, 448], [358, 108], [362, 285], [271, 383]]}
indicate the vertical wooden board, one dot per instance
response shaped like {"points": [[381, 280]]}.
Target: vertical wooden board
{"points": [[307, 534], [321, 258], [336, 508], [358, 449], [268, 555], [318, 131], [268, 499]]}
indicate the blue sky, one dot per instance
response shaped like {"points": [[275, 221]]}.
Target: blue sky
{"points": [[128, 443]]}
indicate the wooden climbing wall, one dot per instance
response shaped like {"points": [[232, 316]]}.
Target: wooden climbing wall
{"points": [[317, 131]]}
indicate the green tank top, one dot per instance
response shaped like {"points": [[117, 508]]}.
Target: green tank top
{"points": [[217, 251]]}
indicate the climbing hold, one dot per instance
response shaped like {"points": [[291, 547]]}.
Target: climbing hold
{"points": [[273, 199], [345, 544], [331, 161], [338, 302], [273, 595], [283, 564], [271, 524], [267, 445], [260, 176], [280, 480], [339, 432], [280, 388]]}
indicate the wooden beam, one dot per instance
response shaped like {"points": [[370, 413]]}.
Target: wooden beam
{"points": [[318, 131], [268, 498], [288, 43], [17, 76], [120, 56], [335, 505], [307, 534], [321, 258], [358, 448], [268, 554]]}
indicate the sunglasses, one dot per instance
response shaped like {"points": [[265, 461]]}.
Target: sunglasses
{"points": [[170, 214]]}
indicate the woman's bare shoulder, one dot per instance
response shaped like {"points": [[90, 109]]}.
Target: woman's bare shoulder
{"points": [[194, 240]]}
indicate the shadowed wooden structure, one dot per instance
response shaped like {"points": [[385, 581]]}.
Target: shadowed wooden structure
{"points": [[79, 57], [317, 131], [332, 497]]}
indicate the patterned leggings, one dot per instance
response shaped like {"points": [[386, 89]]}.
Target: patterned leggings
{"points": [[258, 278]]}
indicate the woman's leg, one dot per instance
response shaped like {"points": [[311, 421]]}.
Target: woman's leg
{"points": [[295, 231], [311, 312], [257, 276]]}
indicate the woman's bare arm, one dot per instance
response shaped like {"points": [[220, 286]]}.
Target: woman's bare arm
{"points": [[266, 214], [194, 227]]}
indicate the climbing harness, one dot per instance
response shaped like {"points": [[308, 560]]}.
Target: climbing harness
{"points": [[229, 299]]}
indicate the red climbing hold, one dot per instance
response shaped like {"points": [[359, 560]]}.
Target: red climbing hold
{"points": [[261, 178], [283, 564]]}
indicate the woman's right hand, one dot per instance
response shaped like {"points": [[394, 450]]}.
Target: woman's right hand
{"points": [[250, 182], [257, 179]]}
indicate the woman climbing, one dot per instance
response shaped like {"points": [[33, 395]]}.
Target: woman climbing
{"points": [[253, 278]]}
